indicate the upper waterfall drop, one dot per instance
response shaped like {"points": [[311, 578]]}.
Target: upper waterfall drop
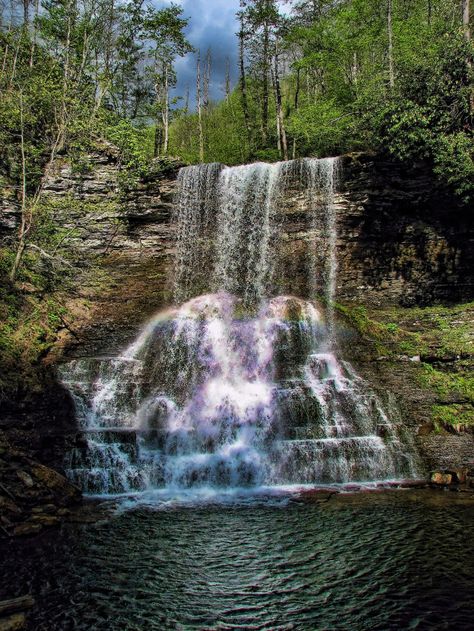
{"points": [[228, 227], [237, 385]]}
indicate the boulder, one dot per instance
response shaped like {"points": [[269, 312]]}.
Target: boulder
{"points": [[439, 478], [56, 482], [15, 622]]}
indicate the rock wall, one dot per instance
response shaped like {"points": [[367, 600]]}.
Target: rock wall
{"points": [[402, 239], [126, 235], [446, 451]]}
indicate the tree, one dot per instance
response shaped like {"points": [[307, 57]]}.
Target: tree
{"points": [[199, 107], [163, 29], [391, 72], [466, 19], [243, 77], [261, 18]]}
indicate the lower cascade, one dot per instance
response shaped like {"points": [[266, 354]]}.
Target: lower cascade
{"points": [[236, 386]]}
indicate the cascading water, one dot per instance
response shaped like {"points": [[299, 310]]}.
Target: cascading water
{"points": [[236, 386]]}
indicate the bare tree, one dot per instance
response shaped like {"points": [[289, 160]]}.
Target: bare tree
{"points": [[207, 79], [282, 141], [227, 79], [466, 19], [265, 66], [35, 33], [186, 100], [243, 79], [25, 212], [199, 108]]}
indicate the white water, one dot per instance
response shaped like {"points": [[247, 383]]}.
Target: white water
{"points": [[236, 386]]}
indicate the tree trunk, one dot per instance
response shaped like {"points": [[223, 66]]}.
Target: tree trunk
{"points": [[296, 105], [199, 109], [158, 141], [4, 64], [227, 79], [266, 38], [281, 120], [166, 113], [26, 13], [35, 33], [207, 79], [186, 101], [25, 223], [391, 71], [466, 19], [467, 34], [243, 82], [15, 60], [297, 90], [62, 124]]}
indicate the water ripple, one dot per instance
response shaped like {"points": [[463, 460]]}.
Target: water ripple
{"points": [[350, 564]]}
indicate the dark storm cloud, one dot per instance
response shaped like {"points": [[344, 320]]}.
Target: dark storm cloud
{"points": [[212, 24]]}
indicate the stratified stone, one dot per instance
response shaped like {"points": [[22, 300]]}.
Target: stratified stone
{"points": [[56, 482], [27, 529]]}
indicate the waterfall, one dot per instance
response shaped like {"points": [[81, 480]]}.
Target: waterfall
{"points": [[236, 385]]}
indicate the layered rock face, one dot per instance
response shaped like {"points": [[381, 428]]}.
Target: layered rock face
{"points": [[401, 240], [126, 235]]}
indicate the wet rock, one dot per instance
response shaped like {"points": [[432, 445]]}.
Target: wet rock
{"points": [[27, 529], [441, 479], [45, 520], [12, 616], [32, 495], [47, 508], [25, 478], [426, 429], [56, 482]]}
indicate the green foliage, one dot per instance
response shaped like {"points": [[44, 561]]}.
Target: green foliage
{"points": [[322, 128], [28, 327], [429, 115], [136, 148], [447, 384], [224, 134], [337, 95]]}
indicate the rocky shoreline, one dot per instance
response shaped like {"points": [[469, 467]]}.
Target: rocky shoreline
{"points": [[32, 496]]}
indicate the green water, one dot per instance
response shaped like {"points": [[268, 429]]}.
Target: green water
{"points": [[400, 560]]}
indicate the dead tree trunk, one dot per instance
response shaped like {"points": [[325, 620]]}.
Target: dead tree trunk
{"points": [[243, 82], [279, 108], [199, 109]]}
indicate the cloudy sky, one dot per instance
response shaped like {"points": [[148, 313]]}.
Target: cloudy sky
{"points": [[212, 24]]}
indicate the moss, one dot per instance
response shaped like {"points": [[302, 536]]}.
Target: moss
{"points": [[456, 415], [443, 336], [389, 338], [28, 329]]}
